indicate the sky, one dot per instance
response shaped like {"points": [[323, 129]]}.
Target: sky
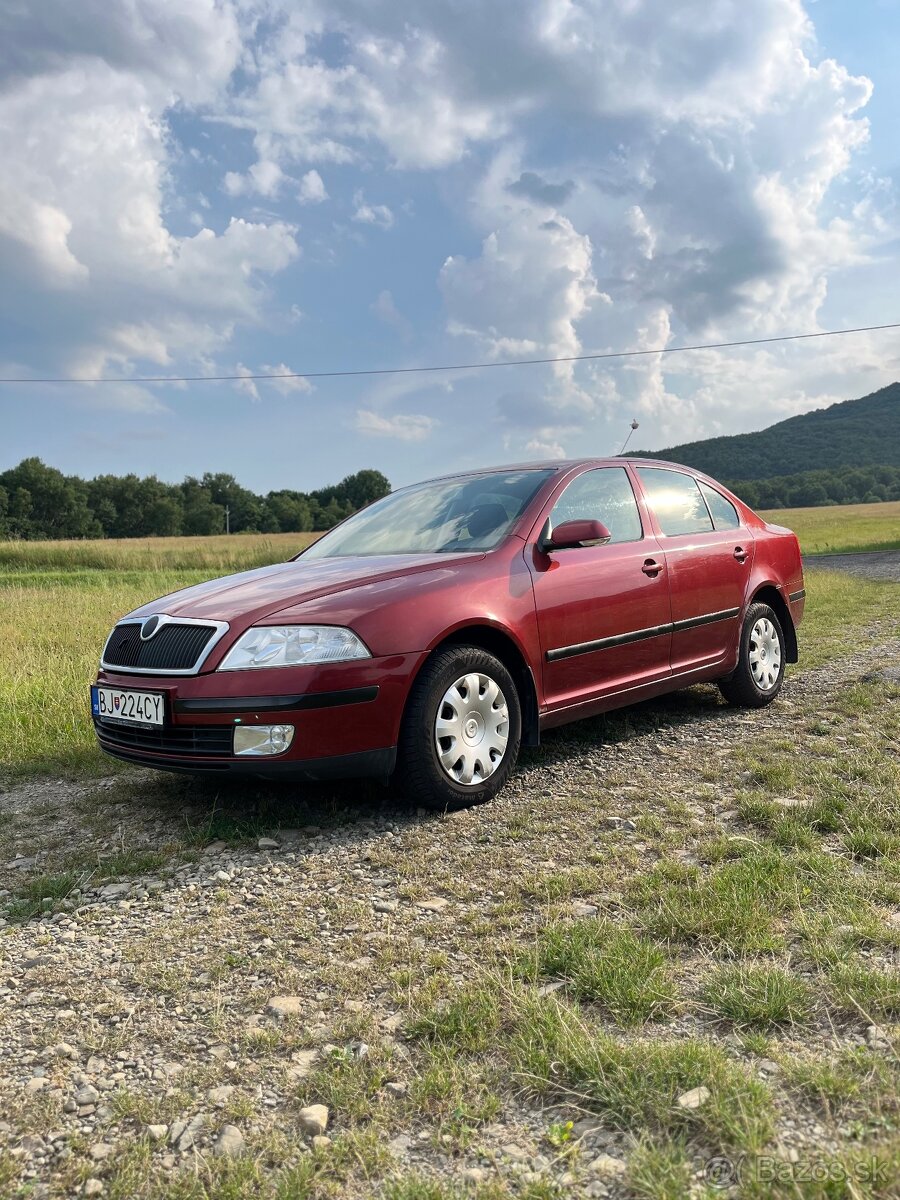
{"points": [[242, 187]]}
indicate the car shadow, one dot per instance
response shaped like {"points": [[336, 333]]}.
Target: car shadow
{"points": [[212, 809]]}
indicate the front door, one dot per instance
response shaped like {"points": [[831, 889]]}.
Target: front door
{"points": [[603, 611], [709, 555]]}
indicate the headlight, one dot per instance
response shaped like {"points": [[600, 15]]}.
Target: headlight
{"points": [[293, 646]]}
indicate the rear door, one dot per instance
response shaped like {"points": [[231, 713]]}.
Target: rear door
{"points": [[708, 555], [603, 611]]}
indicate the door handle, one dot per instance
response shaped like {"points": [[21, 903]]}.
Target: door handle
{"points": [[740, 554], [651, 567]]}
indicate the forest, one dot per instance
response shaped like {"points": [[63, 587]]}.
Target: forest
{"points": [[40, 502]]}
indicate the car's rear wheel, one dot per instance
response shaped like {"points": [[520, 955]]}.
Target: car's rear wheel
{"points": [[760, 670], [461, 730]]}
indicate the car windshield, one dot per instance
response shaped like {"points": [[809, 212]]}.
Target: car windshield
{"points": [[469, 513]]}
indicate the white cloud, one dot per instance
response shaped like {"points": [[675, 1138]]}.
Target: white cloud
{"points": [[246, 383], [289, 385], [372, 214], [405, 427], [312, 189], [83, 194]]}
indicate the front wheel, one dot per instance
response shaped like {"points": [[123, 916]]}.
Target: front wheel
{"points": [[760, 670], [461, 730]]}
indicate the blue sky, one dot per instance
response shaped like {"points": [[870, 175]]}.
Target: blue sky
{"points": [[245, 186]]}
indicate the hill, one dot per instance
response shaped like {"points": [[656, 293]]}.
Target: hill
{"points": [[853, 433]]}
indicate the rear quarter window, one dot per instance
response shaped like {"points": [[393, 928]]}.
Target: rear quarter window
{"points": [[724, 514]]}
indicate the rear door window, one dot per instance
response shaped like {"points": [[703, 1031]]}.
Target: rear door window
{"points": [[676, 500], [604, 494]]}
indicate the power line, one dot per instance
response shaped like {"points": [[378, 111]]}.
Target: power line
{"points": [[476, 366]]}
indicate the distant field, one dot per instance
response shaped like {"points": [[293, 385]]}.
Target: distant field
{"points": [[842, 528], [239, 552]]}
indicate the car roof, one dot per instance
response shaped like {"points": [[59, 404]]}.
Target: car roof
{"points": [[558, 465]]}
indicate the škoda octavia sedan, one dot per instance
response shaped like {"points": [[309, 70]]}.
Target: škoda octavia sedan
{"points": [[432, 634]]}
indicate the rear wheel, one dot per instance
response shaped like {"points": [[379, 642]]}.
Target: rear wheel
{"points": [[461, 730], [760, 670]]}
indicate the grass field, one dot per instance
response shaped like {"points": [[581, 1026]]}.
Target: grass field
{"points": [[842, 528]]}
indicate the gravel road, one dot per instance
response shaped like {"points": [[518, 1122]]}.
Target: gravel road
{"points": [[875, 564]]}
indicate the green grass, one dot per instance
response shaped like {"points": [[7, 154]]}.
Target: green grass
{"points": [[757, 995], [604, 964], [554, 1049], [858, 988], [842, 528]]}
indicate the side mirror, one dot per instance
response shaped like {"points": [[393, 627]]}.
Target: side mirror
{"points": [[574, 533]]}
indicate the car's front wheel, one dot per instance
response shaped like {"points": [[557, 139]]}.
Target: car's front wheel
{"points": [[461, 730], [760, 670]]}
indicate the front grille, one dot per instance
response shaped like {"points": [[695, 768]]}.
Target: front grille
{"points": [[197, 740], [174, 647]]}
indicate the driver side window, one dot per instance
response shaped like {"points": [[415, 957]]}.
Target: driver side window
{"points": [[604, 494]]}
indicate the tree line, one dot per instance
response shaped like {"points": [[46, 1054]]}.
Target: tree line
{"points": [[807, 489], [37, 501]]}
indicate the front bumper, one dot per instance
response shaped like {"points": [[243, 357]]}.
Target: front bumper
{"points": [[346, 718]]}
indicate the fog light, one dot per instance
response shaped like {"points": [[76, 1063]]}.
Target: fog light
{"points": [[262, 739]]}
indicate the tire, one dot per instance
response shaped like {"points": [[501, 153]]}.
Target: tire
{"points": [[458, 704], [759, 674]]}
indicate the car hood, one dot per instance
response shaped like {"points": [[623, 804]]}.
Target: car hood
{"points": [[252, 595]]}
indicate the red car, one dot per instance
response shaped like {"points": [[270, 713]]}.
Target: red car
{"points": [[433, 633]]}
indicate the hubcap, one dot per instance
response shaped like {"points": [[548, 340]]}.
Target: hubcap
{"points": [[471, 729], [765, 654]]}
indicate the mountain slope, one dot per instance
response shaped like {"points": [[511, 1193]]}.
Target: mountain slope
{"points": [[853, 433]]}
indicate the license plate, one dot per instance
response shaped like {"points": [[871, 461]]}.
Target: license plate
{"points": [[134, 708]]}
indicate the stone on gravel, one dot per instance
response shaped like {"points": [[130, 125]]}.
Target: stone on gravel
{"points": [[268, 844], [301, 1063], [286, 1006], [157, 1132], [385, 906], [112, 891], [215, 847], [100, 1150], [86, 1095], [37, 1084], [435, 904], [219, 1096], [313, 1119], [321, 1142], [182, 1134], [229, 1143], [606, 1164], [694, 1098], [92, 1187], [473, 1175], [878, 1038], [581, 909]]}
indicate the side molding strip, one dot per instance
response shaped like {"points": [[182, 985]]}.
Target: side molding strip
{"points": [[640, 635], [797, 595]]}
